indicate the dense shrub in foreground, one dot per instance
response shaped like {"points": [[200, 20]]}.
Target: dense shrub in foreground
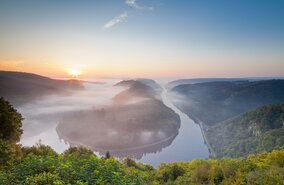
{"points": [[41, 165]]}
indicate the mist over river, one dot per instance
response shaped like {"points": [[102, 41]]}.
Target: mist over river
{"points": [[189, 143], [42, 117]]}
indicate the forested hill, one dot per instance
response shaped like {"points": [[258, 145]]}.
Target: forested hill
{"points": [[252, 132], [136, 88], [216, 105], [214, 102], [148, 84], [42, 165], [178, 82], [120, 126], [20, 87]]}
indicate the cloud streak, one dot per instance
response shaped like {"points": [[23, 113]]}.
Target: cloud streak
{"points": [[10, 63], [122, 17], [133, 4], [118, 19]]}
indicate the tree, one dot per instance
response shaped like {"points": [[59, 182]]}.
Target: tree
{"points": [[107, 155], [10, 131], [10, 122]]}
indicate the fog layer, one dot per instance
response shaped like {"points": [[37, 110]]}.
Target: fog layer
{"points": [[42, 116], [135, 120]]}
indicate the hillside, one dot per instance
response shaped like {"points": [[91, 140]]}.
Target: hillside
{"points": [[214, 102], [20, 87], [135, 123], [178, 82], [252, 132], [154, 86], [40, 164], [135, 89]]}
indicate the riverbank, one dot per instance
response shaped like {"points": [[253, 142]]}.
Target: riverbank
{"points": [[136, 152], [203, 129]]}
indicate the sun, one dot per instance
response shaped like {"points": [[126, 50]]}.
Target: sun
{"points": [[74, 72]]}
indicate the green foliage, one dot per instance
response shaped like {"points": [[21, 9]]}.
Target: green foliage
{"points": [[79, 166], [264, 168], [222, 108], [74, 166], [78, 151], [10, 122], [107, 156], [10, 132], [42, 179], [169, 172], [41, 165], [39, 149], [214, 102], [8, 152], [253, 132]]}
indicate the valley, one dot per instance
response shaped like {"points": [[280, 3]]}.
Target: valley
{"points": [[225, 109], [145, 120]]}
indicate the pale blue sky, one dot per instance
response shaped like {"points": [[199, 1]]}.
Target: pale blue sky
{"points": [[143, 38]]}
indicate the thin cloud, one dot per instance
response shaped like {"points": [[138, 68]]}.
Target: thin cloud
{"points": [[10, 63], [133, 4], [119, 19]]}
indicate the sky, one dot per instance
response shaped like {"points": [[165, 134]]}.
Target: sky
{"points": [[143, 38]]}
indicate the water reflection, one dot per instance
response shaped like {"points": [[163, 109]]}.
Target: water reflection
{"points": [[154, 145], [136, 123], [41, 117], [134, 152]]}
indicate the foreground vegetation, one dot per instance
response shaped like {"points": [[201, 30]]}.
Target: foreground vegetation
{"points": [[41, 165]]}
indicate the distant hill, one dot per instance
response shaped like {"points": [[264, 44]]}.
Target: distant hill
{"points": [[152, 83], [135, 123], [214, 102], [20, 87], [140, 87], [175, 83], [125, 83], [222, 108], [135, 89], [149, 82], [252, 132]]}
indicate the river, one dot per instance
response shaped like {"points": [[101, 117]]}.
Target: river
{"points": [[41, 119], [189, 143]]}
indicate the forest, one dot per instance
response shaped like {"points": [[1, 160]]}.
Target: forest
{"points": [[252, 132], [239, 117], [40, 164]]}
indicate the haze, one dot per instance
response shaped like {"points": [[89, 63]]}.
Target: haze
{"points": [[141, 92], [42, 116]]}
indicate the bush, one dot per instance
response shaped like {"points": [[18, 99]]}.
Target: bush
{"points": [[39, 149], [10, 132]]}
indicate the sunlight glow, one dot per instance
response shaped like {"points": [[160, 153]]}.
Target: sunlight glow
{"points": [[74, 72]]}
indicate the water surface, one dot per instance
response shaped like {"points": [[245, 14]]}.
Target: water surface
{"points": [[42, 118], [189, 143]]}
